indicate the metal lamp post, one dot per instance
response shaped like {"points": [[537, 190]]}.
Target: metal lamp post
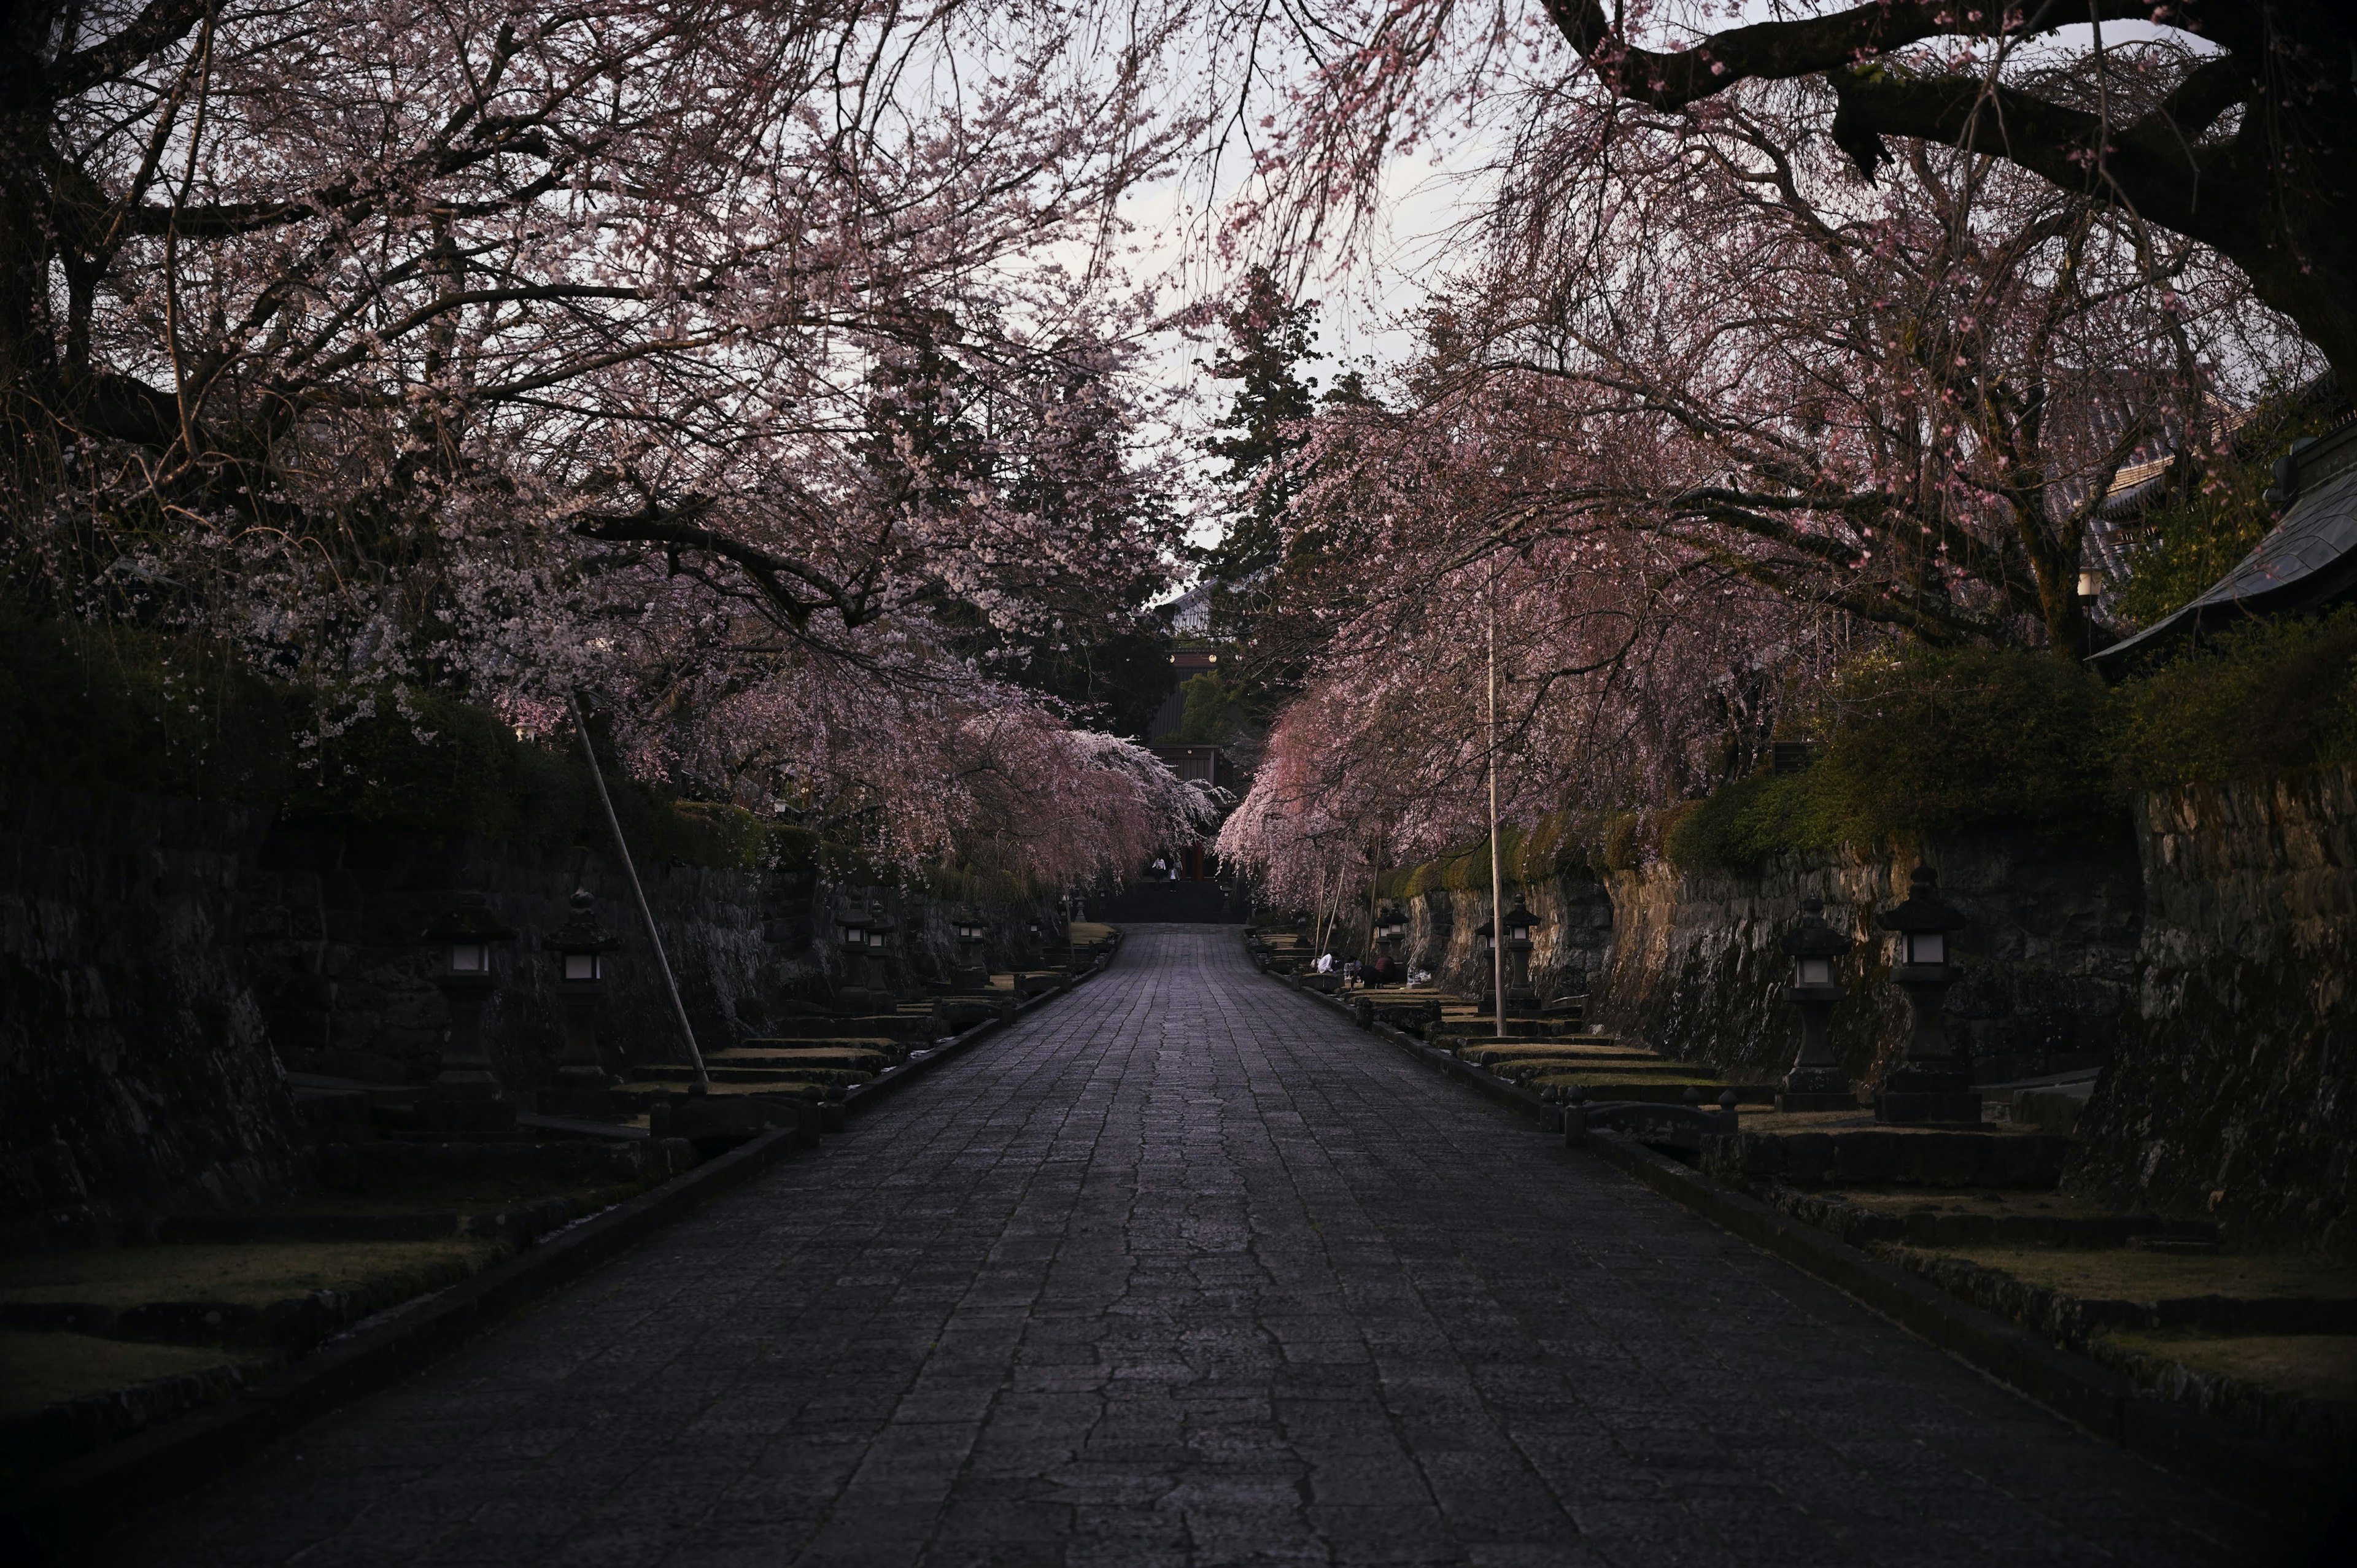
{"points": [[1815, 1082], [1493, 971], [465, 1101], [1931, 1083], [581, 945]]}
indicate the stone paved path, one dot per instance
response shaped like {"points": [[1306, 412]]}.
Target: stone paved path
{"points": [[1185, 1270]]}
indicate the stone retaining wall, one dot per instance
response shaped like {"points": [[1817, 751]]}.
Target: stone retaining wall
{"points": [[134, 1061], [164, 963], [2234, 1090], [2210, 964], [1687, 961], [2048, 961]]}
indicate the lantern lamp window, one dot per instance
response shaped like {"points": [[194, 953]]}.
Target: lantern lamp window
{"points": [[582, 966], [1816, 971], [471, 958], [1927, 947]]}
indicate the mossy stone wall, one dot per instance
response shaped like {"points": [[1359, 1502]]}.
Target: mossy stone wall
{"points": [[1568, 950], [134, 1060], [2234, 1090], [165, 963], [1687, 961], [1697, 968]]}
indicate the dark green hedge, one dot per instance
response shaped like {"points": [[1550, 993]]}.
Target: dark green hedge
{"points": [[109, 707], [1931, 741], [2269, 698], [1923, 740]]}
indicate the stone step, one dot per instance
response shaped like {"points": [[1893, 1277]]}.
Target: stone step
{"points": [[1923, 1223], [1517, 1028], [1853, 1151], [795, 1061], [905, 1028], [1649, 1091], [680, 1073], [814, 1048], [1594, 1072], [635, 1099], [1601, 1048]]}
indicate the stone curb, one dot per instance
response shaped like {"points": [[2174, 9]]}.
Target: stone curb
{"points": [[76, 1502], [63, 1505], [878, 1088], [2267, 1476], [1505, 1091]]}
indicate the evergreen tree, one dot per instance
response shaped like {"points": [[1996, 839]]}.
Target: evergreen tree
{"points": [[1270, 339], [1253, 570]]}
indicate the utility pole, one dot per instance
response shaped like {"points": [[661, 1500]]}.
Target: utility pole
{"points": [[646, 914], [1497, 874]]}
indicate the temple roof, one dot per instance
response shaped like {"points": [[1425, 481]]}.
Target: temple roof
{"points": [[2310, 559]]}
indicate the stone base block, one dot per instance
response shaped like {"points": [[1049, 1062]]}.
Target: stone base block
{"points": [[1955, 1108], [1877, 1157], [582, 1099], [445, 1116], [460, 1134]]}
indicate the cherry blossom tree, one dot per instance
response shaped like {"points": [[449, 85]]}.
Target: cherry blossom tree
{"points": [[2237, 130], [743, 366], [1904, 402], [1629, 669], [1687, 432]]}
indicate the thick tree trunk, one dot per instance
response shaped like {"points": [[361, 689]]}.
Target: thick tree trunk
{"points": [[2278, 199]]}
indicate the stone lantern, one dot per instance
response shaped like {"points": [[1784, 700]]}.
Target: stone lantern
{"points": [[581, 945], [1521, 926], [1390, 926], [881, 928], [851, 932], [1815, 1082], [465, 1101], [1931, 1083], [969, 974]]}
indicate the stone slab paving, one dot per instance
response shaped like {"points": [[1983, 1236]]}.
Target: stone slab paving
{"points": [[1184, 1269]]}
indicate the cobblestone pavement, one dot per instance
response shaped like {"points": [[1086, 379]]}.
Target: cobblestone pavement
{"points": [[1186, 1270]]}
